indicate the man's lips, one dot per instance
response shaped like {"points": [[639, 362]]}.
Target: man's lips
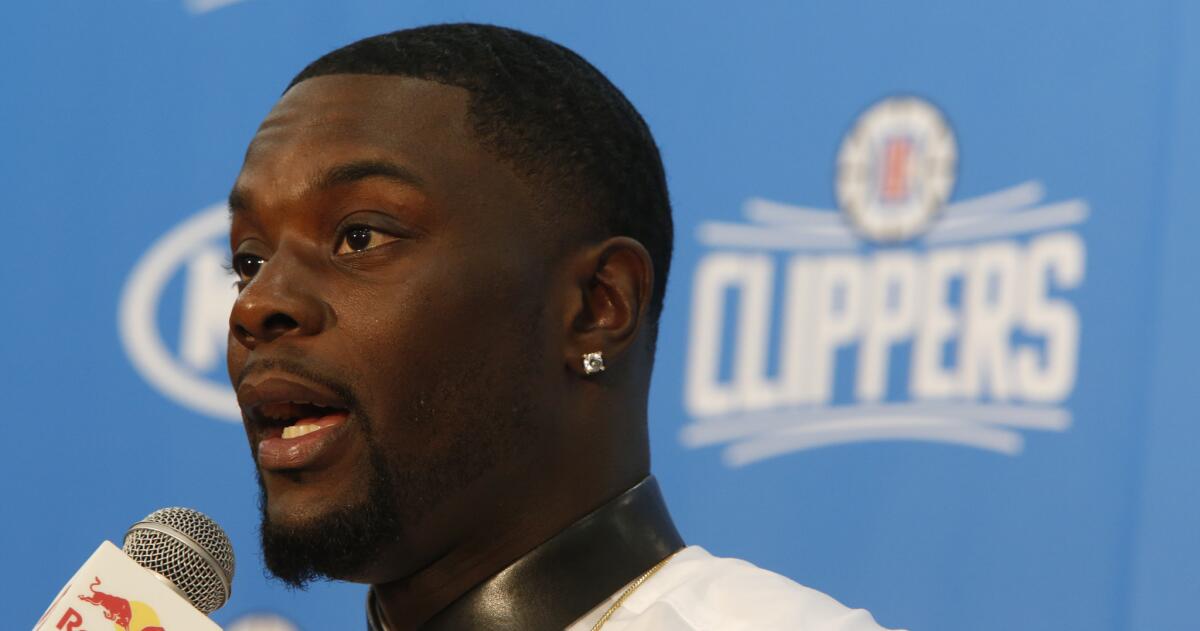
{"points": [[293, 423], [276, 453]]}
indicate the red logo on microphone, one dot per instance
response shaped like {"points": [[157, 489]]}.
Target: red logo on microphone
{"points": [[125, 615]]}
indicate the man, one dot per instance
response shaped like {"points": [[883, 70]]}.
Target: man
{"points": [[452, 245]]}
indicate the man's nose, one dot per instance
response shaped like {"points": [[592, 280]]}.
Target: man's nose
{"points": [[280, 300]]}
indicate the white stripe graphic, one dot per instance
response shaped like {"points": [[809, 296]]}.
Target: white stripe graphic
{"points": [[1038, 219], [779, 226], [915, 428], [769, 212], [1005, 200], [204, 6], [726, 429], [735, 235]]}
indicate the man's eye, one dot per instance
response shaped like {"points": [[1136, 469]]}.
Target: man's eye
{"points": [[247, 265], [359, 238]]}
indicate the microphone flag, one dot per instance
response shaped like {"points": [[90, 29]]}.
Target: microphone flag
{"points": [[111, 589]]}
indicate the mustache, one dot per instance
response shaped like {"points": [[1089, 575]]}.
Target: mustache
{"points": [[301, 369]]}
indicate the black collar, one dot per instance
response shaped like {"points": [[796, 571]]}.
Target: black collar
{"points": [[559, 581]]}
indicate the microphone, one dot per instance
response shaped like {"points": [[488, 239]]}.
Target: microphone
{"points": [[189, 551], [175, 567]]}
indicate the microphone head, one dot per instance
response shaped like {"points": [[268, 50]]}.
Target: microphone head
{"points": [[188, 549]]}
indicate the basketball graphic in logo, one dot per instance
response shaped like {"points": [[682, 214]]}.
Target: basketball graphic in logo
{"points": [[895, 169]]}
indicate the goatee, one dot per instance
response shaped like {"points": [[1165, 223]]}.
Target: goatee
{"points": [[341, 542]]}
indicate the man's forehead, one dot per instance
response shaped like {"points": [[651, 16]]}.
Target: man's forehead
{"points": [[400, 128], [378, 109], [338, 117], [352, 97]]}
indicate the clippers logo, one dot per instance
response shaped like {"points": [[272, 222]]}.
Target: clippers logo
{"points": [[126, 615], [896, 169], [903, 318], [181, 286]]}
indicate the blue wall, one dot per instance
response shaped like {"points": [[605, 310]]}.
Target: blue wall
{"points": [[1028, 462]]}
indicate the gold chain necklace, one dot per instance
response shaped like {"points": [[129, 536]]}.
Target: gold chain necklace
{"points": [[637, 582]]}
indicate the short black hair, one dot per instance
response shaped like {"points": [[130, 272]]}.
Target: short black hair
{"points": [[552, 115]]}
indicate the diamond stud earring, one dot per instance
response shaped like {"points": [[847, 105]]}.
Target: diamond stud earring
{"points": [[593, 363]]}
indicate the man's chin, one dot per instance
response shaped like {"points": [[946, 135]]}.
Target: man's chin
{"points": [[328, 546], [299, 508], [306, 538]]}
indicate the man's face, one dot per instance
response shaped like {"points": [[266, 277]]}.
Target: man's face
{"points": [[394, 302]]}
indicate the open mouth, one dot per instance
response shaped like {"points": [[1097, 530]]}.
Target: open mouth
{"points": [[293, 419], [293, 424]]}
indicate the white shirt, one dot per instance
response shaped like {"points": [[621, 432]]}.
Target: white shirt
{"points": [[696, 591]]}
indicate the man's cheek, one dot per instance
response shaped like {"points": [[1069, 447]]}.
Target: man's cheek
{"points": [[235, 357]]}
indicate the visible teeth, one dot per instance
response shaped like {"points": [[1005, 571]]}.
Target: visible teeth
{"points": [[296, 431]]}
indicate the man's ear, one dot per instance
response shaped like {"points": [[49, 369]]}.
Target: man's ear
{"points": [[610, 296]]}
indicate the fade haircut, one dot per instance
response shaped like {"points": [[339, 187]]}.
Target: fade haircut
{"points": [[565, 128]]}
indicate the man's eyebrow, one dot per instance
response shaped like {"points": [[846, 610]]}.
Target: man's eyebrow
{"points": [[351, 172], [237, 202], [341, 175]]}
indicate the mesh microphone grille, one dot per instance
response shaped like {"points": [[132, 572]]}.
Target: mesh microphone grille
{"points": [[203, 580]]}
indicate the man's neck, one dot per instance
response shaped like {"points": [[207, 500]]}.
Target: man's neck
{"points": [[560, 580]]}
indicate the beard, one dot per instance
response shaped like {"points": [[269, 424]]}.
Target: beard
{"points": [[491, 415], [339, 543]]}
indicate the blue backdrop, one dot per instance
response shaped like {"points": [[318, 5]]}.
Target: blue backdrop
{"points": [[927, 346]]}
